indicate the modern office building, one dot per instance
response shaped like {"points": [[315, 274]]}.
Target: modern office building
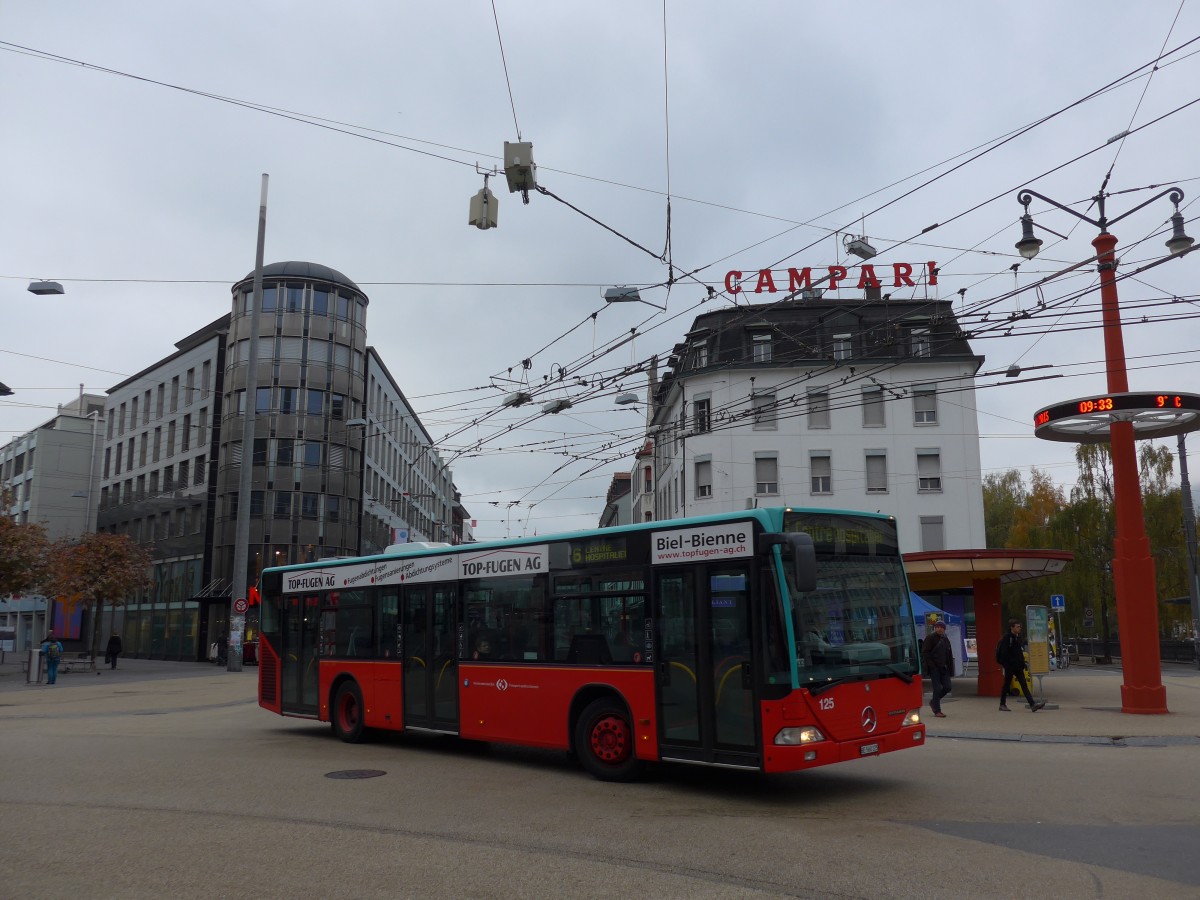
{"points": [[50, 477], [863, 404], [173, 455]]}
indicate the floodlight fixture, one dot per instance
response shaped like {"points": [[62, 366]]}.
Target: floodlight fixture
{"points": [[858, 246], [44, 288]]}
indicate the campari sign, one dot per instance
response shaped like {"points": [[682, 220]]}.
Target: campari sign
{"points": [[772, 281]]}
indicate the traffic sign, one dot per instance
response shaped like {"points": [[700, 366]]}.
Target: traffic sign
{"points": [[1087, 613], [240, 605], [1058, 601], [1089, 622]]}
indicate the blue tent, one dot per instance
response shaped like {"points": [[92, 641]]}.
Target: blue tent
{"points": [[921, 607]]}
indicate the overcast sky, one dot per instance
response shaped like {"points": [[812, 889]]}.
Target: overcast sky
{"points": [[775, 127]]}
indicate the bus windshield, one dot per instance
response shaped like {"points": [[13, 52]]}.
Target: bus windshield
{"points": [[858, 621]]}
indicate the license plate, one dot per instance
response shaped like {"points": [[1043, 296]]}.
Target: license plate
{"points": [[868, 749]]}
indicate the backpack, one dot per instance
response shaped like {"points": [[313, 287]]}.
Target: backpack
{"points": [[1000, 651], [53, 650]]}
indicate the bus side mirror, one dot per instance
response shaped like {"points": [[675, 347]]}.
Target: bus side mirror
{"points": [[798, 554], [803, 560]]}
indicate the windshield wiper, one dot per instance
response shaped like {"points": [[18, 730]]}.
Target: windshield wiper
{"points": [[817, 689], [900, 673]]}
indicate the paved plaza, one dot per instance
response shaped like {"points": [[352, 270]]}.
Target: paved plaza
{"points": [[165, 779]]}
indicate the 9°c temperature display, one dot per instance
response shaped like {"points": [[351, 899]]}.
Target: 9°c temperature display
{"points": [[1115, 403]]}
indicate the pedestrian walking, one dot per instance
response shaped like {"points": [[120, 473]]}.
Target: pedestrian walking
{"points": [[1010, 655], [113, 650], [938, 656], [52, 649]]}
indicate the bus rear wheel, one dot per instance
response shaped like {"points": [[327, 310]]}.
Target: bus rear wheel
{"points": [[347, 717], [604, 741]]}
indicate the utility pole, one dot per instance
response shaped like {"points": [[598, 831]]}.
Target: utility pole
{"points": [[1189, 534], [241, 545]]}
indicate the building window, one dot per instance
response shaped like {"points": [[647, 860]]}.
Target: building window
{"points": [[700, 355], [933, 533], [337, 406], [818, 409], [703, 479], [268, 299], [295, 298], [287, 400], [256, 503], [316, 403], [703, 419], [162, 392], [205, 379], [925, 405], [763, 407], [189, 394], [766, 475], [309, 506], [929, 471], [283, 504], [841, 346], [920, 342], [760, 348], [262, 402], [107, 461], [333, 507], [170, 439], [822, 473], [876, 472], [312, 454], [648, 484], [872, 400], [175, 393], [320, 302], [185, 439]]}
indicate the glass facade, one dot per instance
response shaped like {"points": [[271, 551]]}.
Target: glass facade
{"points": [[307, 461]]}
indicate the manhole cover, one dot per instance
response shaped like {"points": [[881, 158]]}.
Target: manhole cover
{"points": [[356, 773]]}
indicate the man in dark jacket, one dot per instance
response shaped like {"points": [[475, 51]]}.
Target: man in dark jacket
{"points": [[113, 650], [1010, 655], [938, 657]]}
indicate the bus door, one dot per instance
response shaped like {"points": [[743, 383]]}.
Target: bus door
{"points": [[706, 708], [298, 654], [430, 681]]}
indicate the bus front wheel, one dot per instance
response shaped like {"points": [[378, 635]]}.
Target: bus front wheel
{"points": [[347, 718], [604, 741]]}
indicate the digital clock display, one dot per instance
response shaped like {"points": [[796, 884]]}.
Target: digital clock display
{"points": [[1116, 403]]}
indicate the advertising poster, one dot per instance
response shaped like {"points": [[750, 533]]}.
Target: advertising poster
{"points": [[1037, 621]]}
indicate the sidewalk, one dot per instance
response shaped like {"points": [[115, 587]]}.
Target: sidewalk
{"points": [[13, 677], [1083, 705]]}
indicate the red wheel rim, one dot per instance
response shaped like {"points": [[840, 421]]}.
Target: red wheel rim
{"points": [[348, 712], [610, 739]]}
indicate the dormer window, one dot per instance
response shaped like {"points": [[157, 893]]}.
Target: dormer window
{"points": [[760, 347], [841, 346], [700, 355], [920, 341]]}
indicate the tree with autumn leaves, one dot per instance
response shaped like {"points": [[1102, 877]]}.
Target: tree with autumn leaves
{"points": [[1082, 520], [97, 568], [24, 555]]}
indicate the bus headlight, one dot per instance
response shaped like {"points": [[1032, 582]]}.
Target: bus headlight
{"points": [[794, 737], [913, 718]]}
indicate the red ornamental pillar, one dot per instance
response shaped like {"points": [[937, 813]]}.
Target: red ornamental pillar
{"points": [[1133, 567], [988, 630]]}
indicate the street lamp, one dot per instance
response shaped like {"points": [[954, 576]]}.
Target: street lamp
{"points": [[1134, 586], [44, 288], [627, 295]]}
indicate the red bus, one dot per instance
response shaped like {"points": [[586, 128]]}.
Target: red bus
{"points": [[771, 640]]}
